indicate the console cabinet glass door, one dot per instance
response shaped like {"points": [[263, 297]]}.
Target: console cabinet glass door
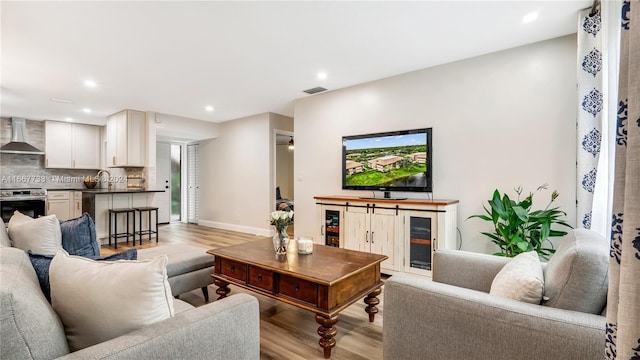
{"points": [[419, 242], [332, 229], [331, 225]]}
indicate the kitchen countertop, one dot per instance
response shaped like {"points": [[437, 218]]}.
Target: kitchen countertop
{"points": [[119, 191], [107, 191]]}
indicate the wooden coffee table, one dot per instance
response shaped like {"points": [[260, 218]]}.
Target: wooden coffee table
{"points": [[325, 282]]}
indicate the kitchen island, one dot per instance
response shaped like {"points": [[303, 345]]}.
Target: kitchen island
{"points": [[97, 203]]}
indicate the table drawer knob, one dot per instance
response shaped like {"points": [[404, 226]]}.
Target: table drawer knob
{"points": [[260, 277], [233, 269], [297, 288]]}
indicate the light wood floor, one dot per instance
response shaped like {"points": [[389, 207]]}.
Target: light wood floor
{"points": [[286, 332]]}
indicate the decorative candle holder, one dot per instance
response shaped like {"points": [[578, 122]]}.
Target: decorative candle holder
{"points": [[305, 245]]}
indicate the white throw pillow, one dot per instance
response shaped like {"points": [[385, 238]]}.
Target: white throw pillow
{"points": [[101, 300], [41, 235], [4, 237], [520, 279]]}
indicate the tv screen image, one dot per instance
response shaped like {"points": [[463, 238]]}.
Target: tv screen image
{"points": [[391, 161]]}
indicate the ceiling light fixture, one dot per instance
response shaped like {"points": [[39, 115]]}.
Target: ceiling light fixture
{"points": [[322, 75], [90, 83], [209, 108], [291, 146], [530, 17], [86, 110], [68, 119], [61, 100]]}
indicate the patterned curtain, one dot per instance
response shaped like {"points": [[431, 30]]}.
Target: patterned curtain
{"points": [[623, 309], [590, 102]]}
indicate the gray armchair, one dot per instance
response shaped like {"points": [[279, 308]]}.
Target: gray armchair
{"points": [[455, 317]]}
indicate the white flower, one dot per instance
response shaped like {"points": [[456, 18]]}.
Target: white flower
{"points": [[281, 219]]}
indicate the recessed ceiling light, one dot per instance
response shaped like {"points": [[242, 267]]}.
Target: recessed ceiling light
{"points": [[68, 119], [86, 110], [90, 83], [209, 108], [530, 17], [322, 75], [61, 100]]}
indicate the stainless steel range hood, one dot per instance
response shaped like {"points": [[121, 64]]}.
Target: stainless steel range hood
{"points": [[18, 145]]}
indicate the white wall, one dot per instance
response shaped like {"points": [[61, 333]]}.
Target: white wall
{"points": [[499, 121], [171, 127], [236, 177]]}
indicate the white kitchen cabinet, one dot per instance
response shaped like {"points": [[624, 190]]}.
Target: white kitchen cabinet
{"points": [[86, 146], [72, 146], [407, 231], [59, 204], [127, 139], [58, 148]]}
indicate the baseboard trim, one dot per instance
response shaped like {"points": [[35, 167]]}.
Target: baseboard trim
{"points": [[234, 227]]}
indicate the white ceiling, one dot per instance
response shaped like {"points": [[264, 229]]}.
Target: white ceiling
{"points": [[243, 58]]}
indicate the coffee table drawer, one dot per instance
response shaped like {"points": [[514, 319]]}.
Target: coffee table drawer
{"points": [[261, 278], [234, 269], [298, 289]]}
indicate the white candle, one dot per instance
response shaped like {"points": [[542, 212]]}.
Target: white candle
{"points": [[305, 246]]}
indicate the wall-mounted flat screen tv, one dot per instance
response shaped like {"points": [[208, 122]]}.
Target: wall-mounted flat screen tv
{"points": [[389, 161]]}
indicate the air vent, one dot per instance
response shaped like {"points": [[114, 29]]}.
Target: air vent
{"points": [[315, 90]]}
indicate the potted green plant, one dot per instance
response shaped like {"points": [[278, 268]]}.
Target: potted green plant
{"points": [[518, 228]]}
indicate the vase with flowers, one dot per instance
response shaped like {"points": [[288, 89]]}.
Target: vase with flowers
{"points": [[281, 220]]}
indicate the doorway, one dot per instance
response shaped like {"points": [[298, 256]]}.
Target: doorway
{"points": [[176, 180], [284, 165], [193, 183], [283, 169], [169, 178]]}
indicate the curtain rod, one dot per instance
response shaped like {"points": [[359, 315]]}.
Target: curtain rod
{"points": [[595, 8]]}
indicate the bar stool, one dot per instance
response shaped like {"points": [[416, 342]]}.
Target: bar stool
{"points": [[113, 230], [149, 231]]}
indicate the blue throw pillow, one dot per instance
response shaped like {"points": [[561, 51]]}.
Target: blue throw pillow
{"points": [[41, 265], [79, 236]]}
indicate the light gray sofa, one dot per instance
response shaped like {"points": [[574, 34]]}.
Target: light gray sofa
{"points": [[30, 329], [455, 317], [189, 267]]}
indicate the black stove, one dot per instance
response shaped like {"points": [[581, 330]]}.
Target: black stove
{"points": [[29, 201], [23, 194]]}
